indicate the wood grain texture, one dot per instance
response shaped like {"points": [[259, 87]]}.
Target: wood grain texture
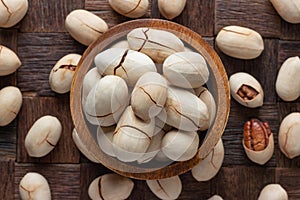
{"points": [[255, 14], [287, 49], [289, 179], [39, 52], [33, 108], [242, 182], [8, 141], [48, 15], [282, 161], [289, 31], [7, 179], [63, 179]]}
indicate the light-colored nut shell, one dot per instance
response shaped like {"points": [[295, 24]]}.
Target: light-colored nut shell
{"points": [[261, 157], [130, 8], [180, 145], [186, 69], [168, 188], [205, 95], [171, 9], [43, 136], [132, 136], [289, 10], [149, 95], [82, 147], [185, 111], [161, 157], [12, 12], [84, 26], [61, 75], [288, 82], [157, 44], [215, 197], [11, 102], [274, 192], [34, 186], [128, 64], [104, 139], [91, 78], [240, 42], [289, 135], [9, 61], [106, 101], [237, 80], [110, 187], [210, 166]]}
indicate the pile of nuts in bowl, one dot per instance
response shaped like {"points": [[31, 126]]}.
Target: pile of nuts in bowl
{"points": [[148, 112]]}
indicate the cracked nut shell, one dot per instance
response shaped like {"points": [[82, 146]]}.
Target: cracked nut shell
{"points": [[289, 135], [168, 188], [127, 64], [149, 95], [11, 102], [274, 192], [12, 12], [288, 82], [240, 42], [209, 166], [84, 26], [43, 136], [130, 8], [246, 90], [258, 141], [288, 10], [9, 61], [171, 9], [61, 75], [34, 186], [110, 187], [186, 70], [157, 44]]}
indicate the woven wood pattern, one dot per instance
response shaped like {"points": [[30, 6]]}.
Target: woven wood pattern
{"points": [[40, 39]]}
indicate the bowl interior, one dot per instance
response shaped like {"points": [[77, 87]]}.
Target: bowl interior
{"points": [[217, 84]]}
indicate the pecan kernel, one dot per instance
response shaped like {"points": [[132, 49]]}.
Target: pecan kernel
{"points": [[247, 92], [256, 134]]}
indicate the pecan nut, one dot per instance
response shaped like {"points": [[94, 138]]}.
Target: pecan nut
{"points": [[256, 134]]}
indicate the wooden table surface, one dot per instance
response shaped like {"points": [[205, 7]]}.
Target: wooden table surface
{"points": [[40, 39]]}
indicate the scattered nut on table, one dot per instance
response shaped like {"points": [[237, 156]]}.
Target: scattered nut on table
{"points": [[9, 61], [11, 102], [43, 136], [12, 12], [288, 82], [149, 95], [215, 197], [185, 111], [130, 8], [180, 145], [110, 187], [106, 101], [82, 147], [289, 10], [274, 192], [209, 166], [157, 44], [128, 64], [61, 75], [132, 136], [289, 135], [84, 26], [167, 189], [186, 70], [258, 141], [240, 42], [171, 9], [246, 90], [34, 186]]}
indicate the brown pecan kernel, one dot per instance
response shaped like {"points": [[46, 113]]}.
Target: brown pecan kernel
{"points": [[256, 134], [69, 67], [247, 92]]}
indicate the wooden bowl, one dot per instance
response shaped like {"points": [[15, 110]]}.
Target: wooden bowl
{"points": [[219, 87]]}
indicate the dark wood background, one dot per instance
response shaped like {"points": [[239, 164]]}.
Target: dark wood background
{"points": [[40, 39]]}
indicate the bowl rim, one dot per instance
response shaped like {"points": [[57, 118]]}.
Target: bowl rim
{"points": [[222, 101]]}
